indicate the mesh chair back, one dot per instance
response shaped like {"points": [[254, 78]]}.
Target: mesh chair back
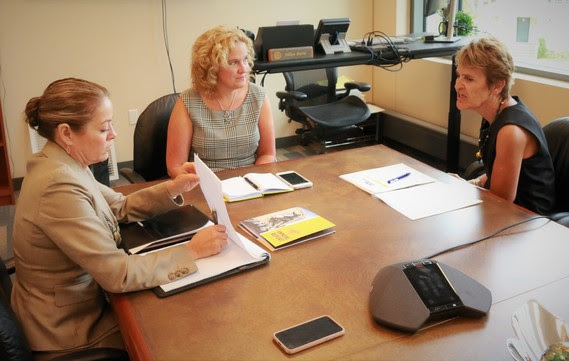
{"points": [[318, 84]]}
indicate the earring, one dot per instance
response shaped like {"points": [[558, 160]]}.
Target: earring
{"points": [[68, 149]]}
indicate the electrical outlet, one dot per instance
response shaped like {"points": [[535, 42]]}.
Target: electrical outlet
{"points": [[132, 116]]}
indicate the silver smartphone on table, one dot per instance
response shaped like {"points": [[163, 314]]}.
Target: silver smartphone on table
{"points": [[293, 179], [308, 334]]}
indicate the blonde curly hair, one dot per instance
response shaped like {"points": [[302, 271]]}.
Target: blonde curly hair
{"points": [[209, 54]]}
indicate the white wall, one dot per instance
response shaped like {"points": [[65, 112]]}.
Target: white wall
{"points": [[119, 44]]}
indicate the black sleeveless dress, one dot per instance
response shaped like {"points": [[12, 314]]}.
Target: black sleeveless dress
{"points": [[536, 187]]}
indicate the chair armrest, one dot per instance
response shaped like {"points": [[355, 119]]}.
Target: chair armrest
{"points": [[131, 175], [474, 170], [10, 265], [361, 86], [296, 95], [561, 218]]}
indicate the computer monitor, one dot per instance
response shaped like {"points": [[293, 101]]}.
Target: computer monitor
{"points": [[433, 6], [449, 7], [331, 36]]}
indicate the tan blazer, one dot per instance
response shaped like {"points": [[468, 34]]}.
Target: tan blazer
{"points": [[66, 251]]}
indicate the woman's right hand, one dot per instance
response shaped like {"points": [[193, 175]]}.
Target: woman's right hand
{"points": [[184, 168], [208, 241]]}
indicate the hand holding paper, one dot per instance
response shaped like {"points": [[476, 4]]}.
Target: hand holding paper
{"points": [[238, 255], [211, 188]]}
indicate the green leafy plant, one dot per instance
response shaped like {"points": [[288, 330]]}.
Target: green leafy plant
{"points": [[542, 49], [464, 24]]}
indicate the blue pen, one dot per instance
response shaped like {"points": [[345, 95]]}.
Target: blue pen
{"points": [[393, 180]]}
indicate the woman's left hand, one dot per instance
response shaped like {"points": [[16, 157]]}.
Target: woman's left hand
{"points": [[182, 183]]}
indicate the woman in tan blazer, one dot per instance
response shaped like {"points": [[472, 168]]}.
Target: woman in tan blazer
{"points": [[66, 231]]}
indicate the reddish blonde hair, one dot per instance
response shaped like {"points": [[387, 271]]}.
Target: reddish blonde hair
{"points": [[492, 56], [70, 100]]}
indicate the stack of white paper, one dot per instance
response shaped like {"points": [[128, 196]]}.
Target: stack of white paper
{"points": [[537, 330], [410, 192]]}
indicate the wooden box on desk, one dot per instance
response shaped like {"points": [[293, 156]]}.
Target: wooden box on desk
{"points": [[296, 52]]}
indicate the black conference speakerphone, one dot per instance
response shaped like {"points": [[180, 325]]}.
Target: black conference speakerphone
{"points": [[408, 295]]}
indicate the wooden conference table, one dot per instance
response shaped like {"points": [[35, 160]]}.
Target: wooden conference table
{"points": [[234, 318]]}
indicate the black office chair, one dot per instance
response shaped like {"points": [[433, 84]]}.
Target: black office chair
{"points": [[150, 135], [331, 119], [557, 135], [101, 172], [13, 343]]}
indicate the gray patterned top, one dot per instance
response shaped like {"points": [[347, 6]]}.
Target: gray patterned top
{"points": [[225, 139]]}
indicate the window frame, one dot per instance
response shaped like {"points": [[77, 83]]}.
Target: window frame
{"points": [[418, 25]]}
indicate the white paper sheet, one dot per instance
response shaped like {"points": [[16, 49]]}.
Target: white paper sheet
{"points": [[427, 200], [212, 190], [385, 179], [238, 252], [233, 256]]}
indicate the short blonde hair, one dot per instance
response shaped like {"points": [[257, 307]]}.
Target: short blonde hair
{"points": [[210, 52], [492, 56]]}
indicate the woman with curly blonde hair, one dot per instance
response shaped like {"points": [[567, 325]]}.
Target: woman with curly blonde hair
{"points": [[224, 118]]}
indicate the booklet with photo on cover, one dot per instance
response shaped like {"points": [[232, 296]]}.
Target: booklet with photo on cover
{"points": [[175, 226], [288, 227]]}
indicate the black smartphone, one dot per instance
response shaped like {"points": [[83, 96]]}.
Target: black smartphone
{"points": [[308, 334], [294, 179]]}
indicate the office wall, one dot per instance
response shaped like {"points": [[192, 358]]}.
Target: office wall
{"points": [[120, 45]]}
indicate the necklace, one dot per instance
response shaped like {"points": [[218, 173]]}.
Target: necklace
{"points": [[227, 113], [485, 131]]}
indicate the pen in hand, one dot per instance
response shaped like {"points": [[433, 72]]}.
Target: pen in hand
{"points": [[393, 180], [214, 215]]}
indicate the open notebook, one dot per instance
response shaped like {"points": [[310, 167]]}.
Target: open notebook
{"points": [[252, 185]]}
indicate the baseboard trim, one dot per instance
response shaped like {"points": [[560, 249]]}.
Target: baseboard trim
{"points": [[425, 137], [289, 141]]}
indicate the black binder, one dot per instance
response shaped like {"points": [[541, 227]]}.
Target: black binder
{"points": [[174, 227], [166, 229]]}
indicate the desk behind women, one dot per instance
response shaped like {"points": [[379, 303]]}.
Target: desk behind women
{"points": [[417, 49], [234, 318]]}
